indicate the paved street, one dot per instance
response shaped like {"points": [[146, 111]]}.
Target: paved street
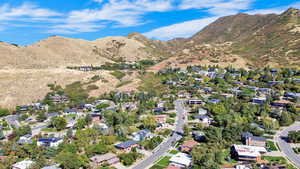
{"points": [[285, 147], [164, 147]]}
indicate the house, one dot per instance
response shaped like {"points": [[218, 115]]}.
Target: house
{"points": [[296, 80], [188, 146], [13, 121], [265, 90], [181, 160], [251, 140], [247, 153], [26, 139], [141, 135], [59, 98], [86, 68], [56, 166], [96, 116], [102, 127], [50, 115], [158, 110], [161, 119], [198, 135], [292, 95], [204, 119], [257, 126], [259, 100], [172, 167], [274, 167], [226, 95], [25, 164], [49, 142], [24, 108], [214, 101], [161, 104], [207, 89], [202, 111], [71, 123], [129, 106], [271, 83], [108, 158], [127, 145], [195, 101], [242, 166], [281, 103], [70, 111], [89, 106]]}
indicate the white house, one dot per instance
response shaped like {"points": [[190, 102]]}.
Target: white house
{"points": [[141, 135], [247, 153], [202, 111], [25, 164], [181, 160], [49, 142], [26, 139]]}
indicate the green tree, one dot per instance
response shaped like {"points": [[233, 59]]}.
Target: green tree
{"points": [[150, 123], [286, 119], [69, 160], [294, 136], [41, 116], [4, 112], [23, 130], [81, 123], [59, 123], [1, 134]]}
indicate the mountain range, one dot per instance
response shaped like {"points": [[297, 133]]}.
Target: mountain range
{"points": [[242, 40]]}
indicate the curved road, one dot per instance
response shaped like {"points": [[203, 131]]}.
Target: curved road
{"points": [[164, 147], [285, 146]]}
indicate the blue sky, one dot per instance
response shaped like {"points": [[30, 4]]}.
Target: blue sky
{"points": [[27, 21]]}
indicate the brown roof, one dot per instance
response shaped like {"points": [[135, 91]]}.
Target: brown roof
{"points": [[190, 143], [282, 101], [105, 157], [172, 167]]}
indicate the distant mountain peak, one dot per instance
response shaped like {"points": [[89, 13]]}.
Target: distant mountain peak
{"points": [[137, 36]]}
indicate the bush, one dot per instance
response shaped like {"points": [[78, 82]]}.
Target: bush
{"points": [[128, 159], [271, 146], [4, 112], [152, 143], [294, 136], [117, 74]]}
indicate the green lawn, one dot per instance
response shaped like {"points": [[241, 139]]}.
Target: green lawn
{"points": [[49, 130], [163, 163], [277, 160], [174, 152], [271, 146]]}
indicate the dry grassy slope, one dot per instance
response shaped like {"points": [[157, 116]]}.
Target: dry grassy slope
{"points": [[60, 52], [277, 43], [24, 86], [259, 39], [26, 70]]}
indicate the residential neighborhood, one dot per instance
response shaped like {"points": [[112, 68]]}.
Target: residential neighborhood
{"points": [[198, 117]]}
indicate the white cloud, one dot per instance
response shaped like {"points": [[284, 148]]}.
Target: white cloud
{"points": [[120, 13], [26, 10], [266, 11], [217, 7], [184, 29], [277, 10], [75, 28]]}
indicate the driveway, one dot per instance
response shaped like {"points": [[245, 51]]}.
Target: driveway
{"points": [[285, 147], [164, 147]]}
